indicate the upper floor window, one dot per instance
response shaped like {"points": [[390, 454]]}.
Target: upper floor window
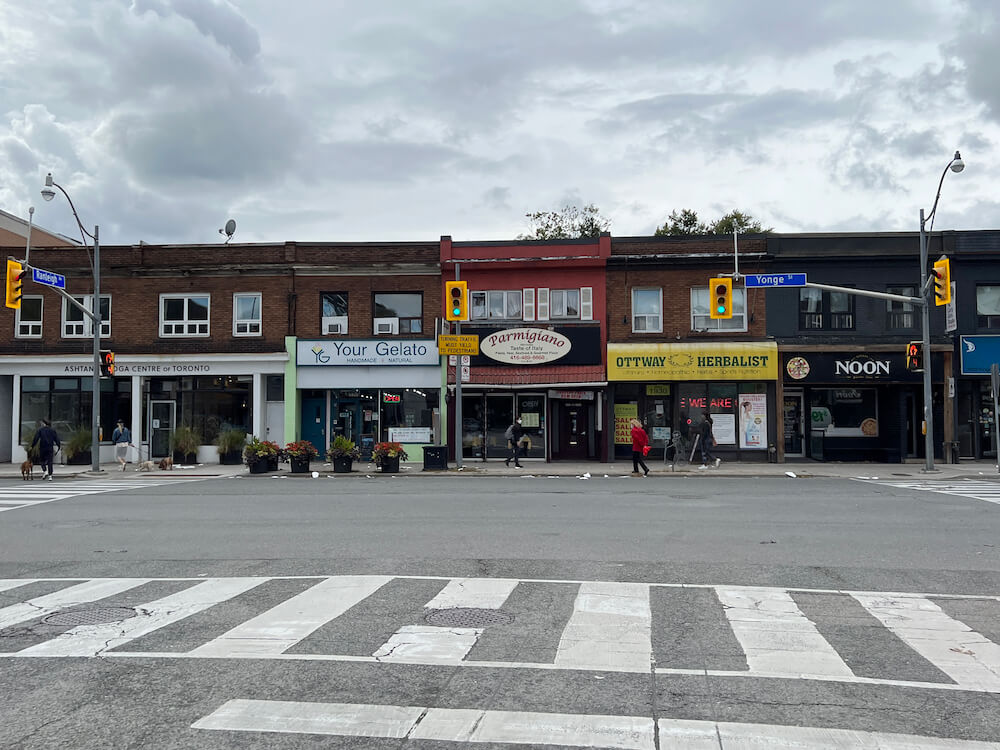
{"points": [[28, 320], [334, 313], [399, 312], [827, 311], [564, 303], [496, 305], [900, 315], [700, 312], [987, 306], [246, 314], [77, 325], [184, 314], [647, 310]]}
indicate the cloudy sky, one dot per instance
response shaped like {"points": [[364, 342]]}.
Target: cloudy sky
{"points": [[325, 120]]}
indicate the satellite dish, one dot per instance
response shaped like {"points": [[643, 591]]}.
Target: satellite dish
{"points": [[229, 231]]}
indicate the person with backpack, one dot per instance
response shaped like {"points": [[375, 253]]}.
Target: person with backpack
{"points": [[513, 435], [640, 447], [707, 442]]}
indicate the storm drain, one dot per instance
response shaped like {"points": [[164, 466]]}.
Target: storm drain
{"points": [[467, 617], [97, 616]]}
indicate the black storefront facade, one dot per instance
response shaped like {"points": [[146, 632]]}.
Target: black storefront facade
{"points": [[552, 377], [853, 405]]}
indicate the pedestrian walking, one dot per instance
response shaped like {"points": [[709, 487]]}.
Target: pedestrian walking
{"points": [[122, 438], [513, 435], [707, 442], [640, 447], [48, 443]]}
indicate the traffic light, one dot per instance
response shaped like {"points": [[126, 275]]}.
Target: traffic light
{"points": [[720, 291], [107, 363], [15, 282], [456, 300], [915, 356], [942, 281]]}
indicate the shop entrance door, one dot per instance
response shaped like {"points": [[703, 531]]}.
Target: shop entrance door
{"points": [[794, 408], [573, 432], [314, 422], [499, 415], [162, 415]]}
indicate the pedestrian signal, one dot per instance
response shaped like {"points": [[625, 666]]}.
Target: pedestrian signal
{"points": [[15, 283], [456, 300], [942, 282], [107, 363], [720, 291], [915, 356]]}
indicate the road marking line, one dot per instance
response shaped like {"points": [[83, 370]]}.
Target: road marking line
{"points": [[536, 728], [776, 636], [420, 644], [610, 628], [482, 593], [285, 624], [13, 583], [970, 659], [83, 593], [91, 640]]}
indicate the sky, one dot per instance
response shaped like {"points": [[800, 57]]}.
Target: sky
{"points": [[333, 121]]}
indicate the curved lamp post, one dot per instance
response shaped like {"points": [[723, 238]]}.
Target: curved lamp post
{"points": [[927, 294], [95, 319]]}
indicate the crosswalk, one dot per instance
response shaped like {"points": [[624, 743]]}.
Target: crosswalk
{"points": [[944, 642], [27, 494], [978, 489]]}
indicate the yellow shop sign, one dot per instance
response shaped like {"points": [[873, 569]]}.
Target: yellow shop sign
{"points": [[722, 361]]}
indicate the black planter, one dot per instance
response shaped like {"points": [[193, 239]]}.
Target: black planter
{"points": [[342, 464], [185, 458], [231, 458], [79, 459], [260, 467], [299, 465], [390, 465], [272, 463]]}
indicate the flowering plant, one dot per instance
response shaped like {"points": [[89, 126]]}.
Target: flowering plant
{"points": [[388, 450], [299, 449], [259, 450], [343, 447]]}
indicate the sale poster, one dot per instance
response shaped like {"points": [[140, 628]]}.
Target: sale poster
{"points": [[753, 420], [624, 414]]}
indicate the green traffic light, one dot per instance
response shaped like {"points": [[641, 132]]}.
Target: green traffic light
{"points": [[721, 308]]}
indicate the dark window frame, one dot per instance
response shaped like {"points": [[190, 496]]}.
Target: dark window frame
{"points": [[406, 323]]}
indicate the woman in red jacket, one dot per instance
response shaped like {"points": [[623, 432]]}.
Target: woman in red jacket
{"points": [[639, 443]]}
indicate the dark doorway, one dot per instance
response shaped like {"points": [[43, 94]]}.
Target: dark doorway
{"points": [[574, 432]]}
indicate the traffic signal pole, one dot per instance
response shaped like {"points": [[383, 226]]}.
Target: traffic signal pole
{"points": [[459, 436]]}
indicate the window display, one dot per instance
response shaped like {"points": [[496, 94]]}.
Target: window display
{"points": [[845, 412]]}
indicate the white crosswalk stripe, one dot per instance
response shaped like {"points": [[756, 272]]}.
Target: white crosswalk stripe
{"points": [[607, 626], [25, 495], [978, 489]]}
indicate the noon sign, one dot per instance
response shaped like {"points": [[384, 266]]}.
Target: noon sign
{"points": [[525, 346]]}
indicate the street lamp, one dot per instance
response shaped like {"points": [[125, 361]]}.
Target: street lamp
{"points": [[95, 319], [927, 295]]}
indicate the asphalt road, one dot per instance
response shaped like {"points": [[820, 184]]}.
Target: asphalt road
{"points": [[602, 612]]}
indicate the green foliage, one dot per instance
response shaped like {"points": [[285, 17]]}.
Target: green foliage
{"points": [[343, 447], [299, 449], [80, 441], [185, 439], [260, 450], [686, 222], [230, 440], [568, 224], [382, 451]]}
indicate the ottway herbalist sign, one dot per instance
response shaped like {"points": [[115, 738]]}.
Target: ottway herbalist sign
{"points": [[525, 346]]}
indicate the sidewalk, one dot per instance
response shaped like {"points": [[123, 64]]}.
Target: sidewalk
{"points": [[658, 470]]}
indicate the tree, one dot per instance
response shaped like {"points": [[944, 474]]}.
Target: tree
{"points": [[686, 222], [568, 224]]}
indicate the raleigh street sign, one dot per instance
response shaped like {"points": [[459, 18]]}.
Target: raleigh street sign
{"points": [[775, 279], [41, 276]]}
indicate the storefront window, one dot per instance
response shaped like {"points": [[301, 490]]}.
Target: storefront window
{"points": [[408, 415], [209, 404], [845, 412], [66, 402]]}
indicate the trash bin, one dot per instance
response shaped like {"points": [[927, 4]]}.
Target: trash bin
{"points": [[435, 458]]}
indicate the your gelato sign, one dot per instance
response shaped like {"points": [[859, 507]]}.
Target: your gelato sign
{"points": [[525, 346]]}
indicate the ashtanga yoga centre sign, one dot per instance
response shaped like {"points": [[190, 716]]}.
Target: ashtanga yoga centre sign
{"points": [[525, 346]]}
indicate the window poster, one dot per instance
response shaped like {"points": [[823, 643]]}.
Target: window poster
{"points": [[624, 414], [753, 420], [724, 429]]}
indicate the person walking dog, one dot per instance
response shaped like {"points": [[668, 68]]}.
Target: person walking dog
{"points": [[640, 447], [48, 443], [513, 435], [122, 438]]}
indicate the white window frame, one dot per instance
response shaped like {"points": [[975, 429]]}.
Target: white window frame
{"points": [[702, 322], [31, 329], [84, 329], [248, 326], [481, 300], [189, 328], [558, 302], [645, 317]]}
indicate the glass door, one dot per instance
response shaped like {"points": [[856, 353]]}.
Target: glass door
{"points": [[162, 416], [499, 415], [531, 410], [794, 436]]}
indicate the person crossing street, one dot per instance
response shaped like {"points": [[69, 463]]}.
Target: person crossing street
{"points": [[48, 443], [122, 438]]}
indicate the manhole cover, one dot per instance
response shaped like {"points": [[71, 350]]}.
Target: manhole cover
{"points": [[97, 616], [468, 617]]}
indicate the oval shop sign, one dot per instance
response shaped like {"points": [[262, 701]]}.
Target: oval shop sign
{"points": [[525, 346]]}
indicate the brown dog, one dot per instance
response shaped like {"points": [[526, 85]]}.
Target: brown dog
{"points": [[27, 470], [167, 464]]}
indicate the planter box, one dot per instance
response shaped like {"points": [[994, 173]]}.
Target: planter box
{"points": [[185, 458], [232, 458], [299, 465], [390, 465], [272, 463], [260, 467], [342, 464], [79, 459]]}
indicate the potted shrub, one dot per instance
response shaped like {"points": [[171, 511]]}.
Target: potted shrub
{"points": [[342, 453], [299, 454], [230, 444], [261, 456], [387, 456], [184, 443], [77, 448]]}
